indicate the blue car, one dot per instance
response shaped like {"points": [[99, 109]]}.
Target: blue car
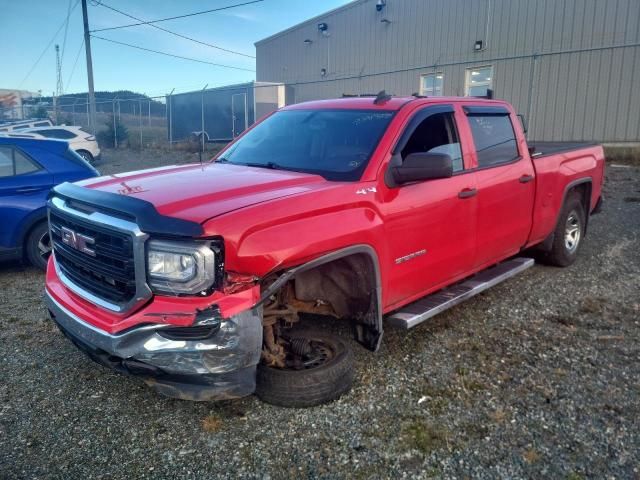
{"points": [[29, 168]]}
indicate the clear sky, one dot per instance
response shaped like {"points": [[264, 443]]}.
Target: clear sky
{"points": [[27, 26]]}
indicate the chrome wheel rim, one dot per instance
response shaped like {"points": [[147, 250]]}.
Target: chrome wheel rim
{"points": [[572, 232], [44, 246]]}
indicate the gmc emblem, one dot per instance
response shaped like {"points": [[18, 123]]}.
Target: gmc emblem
{"points": [[77, 241]]}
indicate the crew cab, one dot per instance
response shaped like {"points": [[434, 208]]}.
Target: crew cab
{"points": [[210, 281]]}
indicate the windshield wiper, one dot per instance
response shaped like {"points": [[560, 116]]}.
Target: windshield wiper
{"points": [[271, 165], [221, 160]]}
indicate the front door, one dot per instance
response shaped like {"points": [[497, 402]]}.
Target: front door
{"points": [[430, 225], [239, 113]]}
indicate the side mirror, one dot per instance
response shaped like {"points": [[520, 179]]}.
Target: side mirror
{"points": [[423, 166]]}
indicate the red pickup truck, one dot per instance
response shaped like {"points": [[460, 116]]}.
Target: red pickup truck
{"points": [[210, 281]]}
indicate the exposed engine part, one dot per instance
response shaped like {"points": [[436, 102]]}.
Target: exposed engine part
{"points": [[300, 346], [340, 289]]}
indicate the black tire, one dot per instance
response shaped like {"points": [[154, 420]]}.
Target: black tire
{"points": [[37, 239], [86, 156], [562, 253], [312, 386]]}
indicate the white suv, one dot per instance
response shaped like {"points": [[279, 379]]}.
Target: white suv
{"points": [[82, 142]]}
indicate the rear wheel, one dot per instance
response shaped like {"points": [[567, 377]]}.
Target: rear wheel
{"points": [[319, 368], [38, 246], [85, 155], [569, 232]]}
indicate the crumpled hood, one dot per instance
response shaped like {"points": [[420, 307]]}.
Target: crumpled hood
{"points": [[200, 192]]}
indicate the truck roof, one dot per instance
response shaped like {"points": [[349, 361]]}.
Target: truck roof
{"points": [[392, 104]]}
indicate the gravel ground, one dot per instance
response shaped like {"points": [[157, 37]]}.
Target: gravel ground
{"points": [[536, 378]]}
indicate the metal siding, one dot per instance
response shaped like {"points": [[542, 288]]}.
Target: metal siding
{"points": [[567, 95]]}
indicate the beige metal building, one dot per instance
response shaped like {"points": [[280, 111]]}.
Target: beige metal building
{"points": [[571, 66]]}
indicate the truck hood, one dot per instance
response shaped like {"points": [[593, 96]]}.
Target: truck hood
{"points": [[200, 192]]}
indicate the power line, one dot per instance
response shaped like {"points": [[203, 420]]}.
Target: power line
{"points": [[178, 16], [48, 45], [75, 63], [172, 55], [66, 29], [173, 33]]}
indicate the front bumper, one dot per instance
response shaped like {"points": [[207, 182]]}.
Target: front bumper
{"points": [[220, 367]]}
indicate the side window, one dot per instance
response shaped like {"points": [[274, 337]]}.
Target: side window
{"points": [[63, 134], [6, 162], [494, 139], [41, 124], [23, 164], [437, 133], [14, 162]]}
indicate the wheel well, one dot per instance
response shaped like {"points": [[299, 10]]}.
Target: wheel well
{"points": [[27, 232], [584, 190], [343, 285]]}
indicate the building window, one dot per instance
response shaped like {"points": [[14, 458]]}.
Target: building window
{"points": [[431, 84], [478, 81]]}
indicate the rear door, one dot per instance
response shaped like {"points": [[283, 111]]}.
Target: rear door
{"points": [[24, 185], [505, 181]]}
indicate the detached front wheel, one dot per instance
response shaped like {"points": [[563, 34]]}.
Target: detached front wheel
{"points": [[319, 368]]}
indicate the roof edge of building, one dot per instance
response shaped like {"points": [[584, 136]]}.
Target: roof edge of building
{"points": [[347, 6]]}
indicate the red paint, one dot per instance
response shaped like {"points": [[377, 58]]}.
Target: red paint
{"points": [[271, 219]]}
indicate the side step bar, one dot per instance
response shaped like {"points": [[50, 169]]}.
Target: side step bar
{"points": [[417, 312]]}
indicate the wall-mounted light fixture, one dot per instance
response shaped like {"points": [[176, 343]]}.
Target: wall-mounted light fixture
{"points": [[386, 21], [323, 72], [380, 4], [478, 45], [323, 27], [308, 41]]}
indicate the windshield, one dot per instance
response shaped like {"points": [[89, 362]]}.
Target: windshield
{"points": [[336, 144]]}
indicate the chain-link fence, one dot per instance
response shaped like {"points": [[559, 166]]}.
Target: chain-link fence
{"points": [[121, 122], [196, 117]]}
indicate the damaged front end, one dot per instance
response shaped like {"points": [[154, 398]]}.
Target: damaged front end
{"points": [[215, 359]]}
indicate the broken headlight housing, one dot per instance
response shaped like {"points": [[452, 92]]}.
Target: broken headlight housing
{"points": [[180, 268]]}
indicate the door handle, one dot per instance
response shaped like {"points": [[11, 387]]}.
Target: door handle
{"points": [[526, 178], [28, 189], [467, 193]]}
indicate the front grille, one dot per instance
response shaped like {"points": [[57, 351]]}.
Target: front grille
{"points": [[110, 274]]}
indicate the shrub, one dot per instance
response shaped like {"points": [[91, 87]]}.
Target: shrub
{"points": [[106, 137]]}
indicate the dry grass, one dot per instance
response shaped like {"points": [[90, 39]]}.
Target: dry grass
{"points": [[212, 423], [623, 155], [426, 437], [531, 456]]}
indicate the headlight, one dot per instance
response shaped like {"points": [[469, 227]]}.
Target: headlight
{"points": [[180, 267]]}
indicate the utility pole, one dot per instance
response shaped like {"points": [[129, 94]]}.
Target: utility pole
{"points": [[87, 47]]}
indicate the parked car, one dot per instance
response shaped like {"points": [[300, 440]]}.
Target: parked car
{"points": [[199, 278], [81, 141], [20, 125], [28, 170]]}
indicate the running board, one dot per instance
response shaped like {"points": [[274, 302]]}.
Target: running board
{"points": [[417, 312]]}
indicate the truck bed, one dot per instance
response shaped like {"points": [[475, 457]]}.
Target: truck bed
{"points": [[550, 148]]}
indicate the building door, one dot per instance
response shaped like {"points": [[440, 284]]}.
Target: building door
{"points": [[239, 116]]}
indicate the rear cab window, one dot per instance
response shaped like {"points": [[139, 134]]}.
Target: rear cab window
{"points": [[493, 135]]}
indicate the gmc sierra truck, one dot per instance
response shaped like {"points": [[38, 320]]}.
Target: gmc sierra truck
{"points": [[210, 281]]}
